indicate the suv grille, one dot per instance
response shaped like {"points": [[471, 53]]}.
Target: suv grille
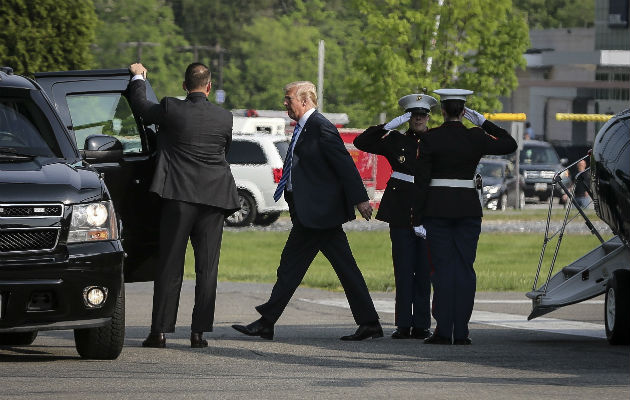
{"points": [[28, 240], [18, 211]]}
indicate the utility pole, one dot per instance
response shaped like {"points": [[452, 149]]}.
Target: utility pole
{"points": [[320, 75], [138, 46]]}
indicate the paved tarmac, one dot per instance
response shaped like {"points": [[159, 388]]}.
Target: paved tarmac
{"points": [[561, 357]]}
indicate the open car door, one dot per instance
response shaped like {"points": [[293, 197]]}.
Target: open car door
{"points": [[95, 103]]}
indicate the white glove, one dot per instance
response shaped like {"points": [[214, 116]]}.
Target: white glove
{"points": [[420, 231], [396, 122], [474, 117]]}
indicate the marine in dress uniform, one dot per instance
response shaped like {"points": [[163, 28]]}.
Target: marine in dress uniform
{"points": [[451, 211], [398, 208]]}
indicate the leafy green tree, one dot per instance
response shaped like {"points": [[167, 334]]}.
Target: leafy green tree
{"points": [[145, 31], [46, 35], [558, 13], [411, 45]]}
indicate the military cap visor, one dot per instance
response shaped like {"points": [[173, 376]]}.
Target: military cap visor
{"points": [[453, 94], [417, 103]]}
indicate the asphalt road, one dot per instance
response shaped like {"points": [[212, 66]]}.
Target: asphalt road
{"points": [[561, 357]]}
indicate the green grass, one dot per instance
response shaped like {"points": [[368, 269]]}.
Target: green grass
{"points": [[504, 262], [557, 214]]}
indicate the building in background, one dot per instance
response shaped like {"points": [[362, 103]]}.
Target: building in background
{"points": [[576, 70]]}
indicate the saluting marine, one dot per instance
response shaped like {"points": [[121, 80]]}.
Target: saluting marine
{"points": [[451, 211], [398, 208]]}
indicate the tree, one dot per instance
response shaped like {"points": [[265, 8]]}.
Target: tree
{"points": [[412, 45], [46, 35], [558, 13], [128, 29]]}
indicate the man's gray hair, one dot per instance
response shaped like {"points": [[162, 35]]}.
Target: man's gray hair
{"points": [[306, 90]]}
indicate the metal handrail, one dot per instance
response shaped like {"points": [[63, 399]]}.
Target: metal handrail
{"points": [[557, 180]]}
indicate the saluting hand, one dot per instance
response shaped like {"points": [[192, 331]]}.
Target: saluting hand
{"points": [[365, 209], [396, 122], [474, 117]]}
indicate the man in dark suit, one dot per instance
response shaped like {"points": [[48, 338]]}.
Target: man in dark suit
{"points": [[451, 210], [322, 185], [197, 190]]}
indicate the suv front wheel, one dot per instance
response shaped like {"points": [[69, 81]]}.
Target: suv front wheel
{"points": [[246, 215]]}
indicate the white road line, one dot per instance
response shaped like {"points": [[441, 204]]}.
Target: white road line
{"points": [[512, 321]]}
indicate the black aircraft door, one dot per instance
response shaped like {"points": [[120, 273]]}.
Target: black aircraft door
{"points": [[95, 103]]}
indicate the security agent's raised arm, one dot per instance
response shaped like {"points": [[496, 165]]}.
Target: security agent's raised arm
{"points": [[149, 111]]}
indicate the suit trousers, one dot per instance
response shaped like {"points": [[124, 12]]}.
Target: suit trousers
{"points": [[203, 224], [301, 247], [453, 248], [413, 281]]}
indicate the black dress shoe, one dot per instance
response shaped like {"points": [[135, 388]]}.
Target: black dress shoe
{"points": [[157, 340], [259, 327], [365, 331], [437, 339], [401, 333], [197, 341], [418, 333], [462, 341]]}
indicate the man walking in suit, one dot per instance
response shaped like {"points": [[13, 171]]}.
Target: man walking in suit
{"points": [[197, 190], [322, 185]]}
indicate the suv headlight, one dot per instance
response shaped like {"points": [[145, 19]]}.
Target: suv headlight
{"points": [[547, 174], [92, 222], [491, 189]]}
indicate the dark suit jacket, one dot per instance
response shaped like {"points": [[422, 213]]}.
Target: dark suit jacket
{"points": [[194, 136], [452, 151], [326, 183], [399, 203]]}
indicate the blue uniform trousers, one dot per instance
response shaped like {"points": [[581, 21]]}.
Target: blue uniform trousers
{"points": [[413, 283], [453, 247]]}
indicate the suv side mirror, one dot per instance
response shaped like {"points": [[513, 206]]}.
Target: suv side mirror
{"points": [[102, 149], [564, 161]]}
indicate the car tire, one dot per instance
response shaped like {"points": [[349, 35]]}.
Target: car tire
{"points": [[502, 206], [247, 214], [17, 338], [267, 219], [617, 308], [105, 342]]}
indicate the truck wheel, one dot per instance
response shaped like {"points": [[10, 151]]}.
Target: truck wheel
{"points": [[105, 342], [17, 338], [246, 215], [617, 308], [267, 219]]}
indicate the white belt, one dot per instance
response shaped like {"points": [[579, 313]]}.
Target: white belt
{"points": [[457, 183], [402, 177]]}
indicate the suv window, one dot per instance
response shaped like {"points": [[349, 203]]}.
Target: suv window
{"points": [[282, 147], [104, 114], [245, 152], [539, 155], [26, 129]]}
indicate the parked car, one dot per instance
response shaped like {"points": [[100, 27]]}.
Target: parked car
{"points": [[538, 164], [256, 161], [64, 221], [499, 184]]}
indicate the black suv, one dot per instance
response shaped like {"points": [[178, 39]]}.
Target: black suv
{"points": [[539, 162], [75, 166]]}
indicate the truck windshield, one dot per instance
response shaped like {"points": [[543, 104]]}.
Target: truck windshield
{"points": [[24, 129]]}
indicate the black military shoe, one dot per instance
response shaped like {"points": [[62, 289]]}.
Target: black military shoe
{"points": [[197, 341], [401, 333], [466, 341], [437, 339], [418, 333]]}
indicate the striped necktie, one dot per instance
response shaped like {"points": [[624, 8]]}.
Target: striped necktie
{"points": [[286, 169]]}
